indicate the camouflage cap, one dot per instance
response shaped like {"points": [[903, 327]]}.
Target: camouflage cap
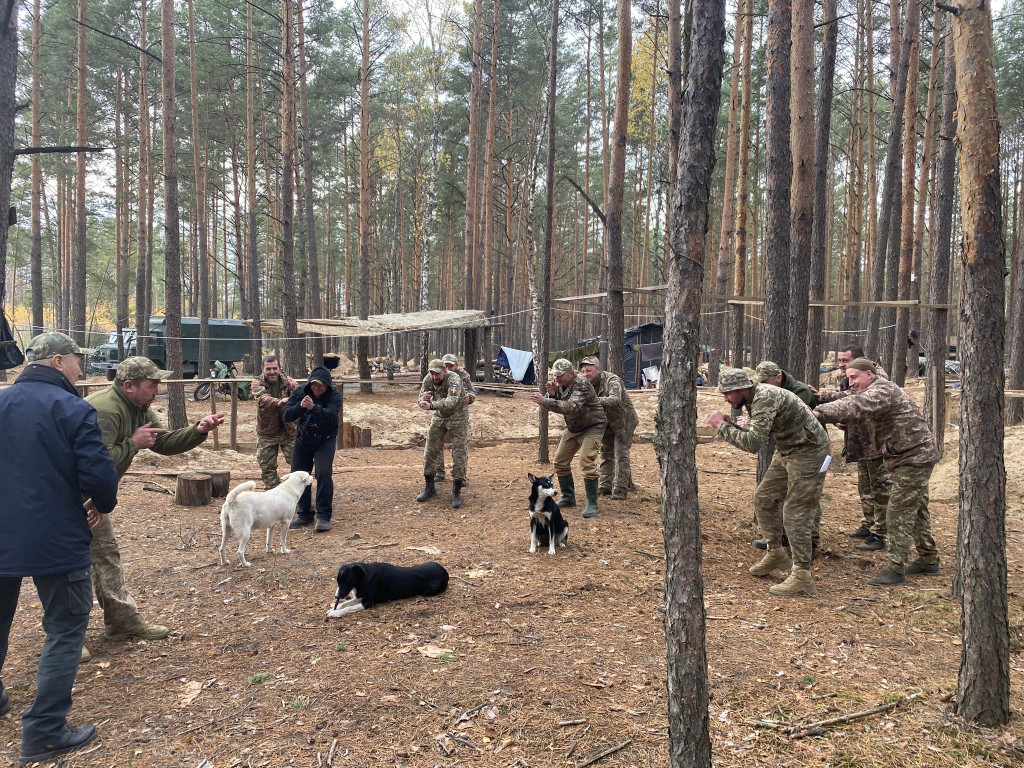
{"points": [[560, 366], [450, 360], [862, 364], [436, 366], [49, 344], [766, 370], [135, 368], [590, 360], [733, 378]]}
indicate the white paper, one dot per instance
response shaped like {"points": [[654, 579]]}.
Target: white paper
{"points": [[825, 463]]}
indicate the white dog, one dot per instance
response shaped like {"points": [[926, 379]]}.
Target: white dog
{"points": [[246, 510]]}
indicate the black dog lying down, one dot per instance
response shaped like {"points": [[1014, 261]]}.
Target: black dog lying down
{"points": [[372, 583]]}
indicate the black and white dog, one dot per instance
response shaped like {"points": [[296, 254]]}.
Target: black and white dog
{"points": [[367, 584], [547, 526]]}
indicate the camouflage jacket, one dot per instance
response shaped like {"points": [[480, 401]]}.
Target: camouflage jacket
{"points": [[446, 397], [119, 417], [270, 406], [778, 413], [617, 404], [858, 440], [467, 384], [899, 430], [579, 405]]}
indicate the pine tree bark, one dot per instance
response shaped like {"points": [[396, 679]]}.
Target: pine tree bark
{"points": [[473, 181], [616, 187], [295, 358], [79, 273], [315, 305], [742, 192], [143, 264], [819, 228], [200, 192], [176, 416], [676, 441], [488, 196], [8, 109], [251, 249], [983, 691], [363, 344], [802, 190], [547, 256], [37, 176], [939, 267]]}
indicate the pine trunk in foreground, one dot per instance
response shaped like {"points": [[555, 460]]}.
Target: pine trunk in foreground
{"points": [[685, 620], [983, 693]]}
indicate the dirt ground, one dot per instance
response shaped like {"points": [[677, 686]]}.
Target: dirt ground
{"points": [[526, 660]]}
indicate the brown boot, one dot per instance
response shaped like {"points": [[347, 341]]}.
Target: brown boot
{"points": [[799, 583], [774, 560]]}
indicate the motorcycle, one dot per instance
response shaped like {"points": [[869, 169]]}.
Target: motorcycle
{"points": [[221, 371]]}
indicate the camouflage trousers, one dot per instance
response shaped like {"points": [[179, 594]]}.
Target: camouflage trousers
{"points": [[266, 456], [456, 430], [615, 473], [587, 444], [907, 517], [873, 485], [787, 500], [119, 610]]}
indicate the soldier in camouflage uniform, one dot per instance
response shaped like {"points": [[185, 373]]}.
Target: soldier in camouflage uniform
{"points": [[129, 425], [788, 496], [616, 478], [909, 453], [451, 363], [443, 393], [272, 390], [873, 479], [571, 395]]}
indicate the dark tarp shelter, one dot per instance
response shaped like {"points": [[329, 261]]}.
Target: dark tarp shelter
{"points": [[641, 349], [10, 355]]}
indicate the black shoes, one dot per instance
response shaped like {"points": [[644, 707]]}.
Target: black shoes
{"points": [[5, 702], [73, 738], [322, 526], [872, 543], [887, 578], [457, 493], [920, 567], [300, 522], [861, 533], [429, 491]]}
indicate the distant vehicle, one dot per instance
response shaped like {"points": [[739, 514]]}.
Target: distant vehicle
{"points": [[229, 343], [221, 371]]}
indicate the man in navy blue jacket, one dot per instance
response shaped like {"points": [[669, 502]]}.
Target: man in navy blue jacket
{"points": [[315, 407], [52, 456]]}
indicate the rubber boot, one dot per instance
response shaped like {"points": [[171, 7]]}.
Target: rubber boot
{"points": [[799, 582], [774, 559], [429, 491], [456, 494], [568, 486], [591, 508]]}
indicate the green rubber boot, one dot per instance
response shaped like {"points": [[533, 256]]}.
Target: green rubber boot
{"points": [[591, 508], [568, 486]]}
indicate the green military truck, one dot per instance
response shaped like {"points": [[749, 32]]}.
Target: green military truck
{"points": [[229, 343]]}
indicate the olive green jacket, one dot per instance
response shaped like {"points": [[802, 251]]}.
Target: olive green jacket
{"points": [[446, 397]]}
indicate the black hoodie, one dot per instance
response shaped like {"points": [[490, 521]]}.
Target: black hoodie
{"points": [[319, 425]]}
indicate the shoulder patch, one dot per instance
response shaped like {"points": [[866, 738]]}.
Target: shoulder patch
{"points": [[453, 389]]}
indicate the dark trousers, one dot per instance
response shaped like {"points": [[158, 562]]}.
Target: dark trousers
{"points": [[319, 461], [67, 600]]}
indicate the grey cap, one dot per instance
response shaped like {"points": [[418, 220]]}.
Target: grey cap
{"points": [[590, 360], [766, 369], [450, 359], [135, 368], [733, 378], [49, 344], [436, 366], [560, 366]]}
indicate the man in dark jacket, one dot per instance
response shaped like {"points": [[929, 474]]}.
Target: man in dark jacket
{"points": [[51, 456], [315, 407]]}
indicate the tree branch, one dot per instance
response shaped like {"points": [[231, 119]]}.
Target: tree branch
{"points": [[57, 150], [129, 43], [595, 206]]}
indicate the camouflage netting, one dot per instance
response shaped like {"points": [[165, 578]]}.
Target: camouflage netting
{"points": [[377, 325]]}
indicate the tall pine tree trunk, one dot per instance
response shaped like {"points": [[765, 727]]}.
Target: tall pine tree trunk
{"points": [[251, 249], [200, 191], [685, 619], [616, 184], [78, 276], [742, 192], [544, 289], [983, 691], [472, 181], [314, 306], [37, 175], [294, 354], [363, 344]]}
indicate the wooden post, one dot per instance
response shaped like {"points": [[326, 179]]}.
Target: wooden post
{"points": [[193, 489], [234, 415], [213, 409]]}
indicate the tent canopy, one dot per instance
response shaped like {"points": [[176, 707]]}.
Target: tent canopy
{"points": [[519, 362], [378, 325]]}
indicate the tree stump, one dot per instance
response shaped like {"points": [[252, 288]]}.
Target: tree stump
{"points": [[193, 489], [221, 481]]}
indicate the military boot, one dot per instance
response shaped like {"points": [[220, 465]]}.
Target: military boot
{"points": [[456, 494], [799, 583], [439, 477], [429, 491], [591, 508], [774, 560], [568, 486]]}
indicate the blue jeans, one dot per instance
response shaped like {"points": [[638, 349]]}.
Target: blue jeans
{"points": [[319, 461], [67, 600]]}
